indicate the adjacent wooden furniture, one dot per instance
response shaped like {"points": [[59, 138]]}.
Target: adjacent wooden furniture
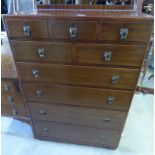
{"points": [[78, 71], [12, 102]]}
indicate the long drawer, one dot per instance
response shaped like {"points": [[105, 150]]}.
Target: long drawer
{"points": [[78, 96], [37, 51], [77, 134], [78, 115], [79, 75], [106, 54]]}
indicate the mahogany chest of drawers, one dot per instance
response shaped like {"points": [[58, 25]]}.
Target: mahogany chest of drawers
{"points": [[78, 73]]}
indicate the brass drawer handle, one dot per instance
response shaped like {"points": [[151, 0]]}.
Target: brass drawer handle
{"points": [[27, 30], [115, 79], [110, 99], [10, 99], [123, 33], [39, 93], [35, 73], [73, 31], [107, 56], [43, 112], [6, 87], [41, 52], [14, 112], [46, 130]]}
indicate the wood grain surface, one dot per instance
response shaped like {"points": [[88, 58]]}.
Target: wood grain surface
{"points": [[79, 75], [77, 96]]}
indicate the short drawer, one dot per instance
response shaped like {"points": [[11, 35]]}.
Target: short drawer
{"points": [[27, 28], [122, 32], [74, 30], [78, 96], [78, 115], [36, 51], [79, 75], [100, 54], [77, 134], [13, 110]]}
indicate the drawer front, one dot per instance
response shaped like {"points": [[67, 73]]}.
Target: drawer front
{"points": [[79, 75], [36, 51], [27, 28], [78, 115], [76, 30], [122, 32], [100, 54], [12, 110], [12, 98], [77, 134], [9, 85], [79, 96]]}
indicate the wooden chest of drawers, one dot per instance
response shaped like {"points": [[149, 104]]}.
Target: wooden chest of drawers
{"points": [[78, 73]]}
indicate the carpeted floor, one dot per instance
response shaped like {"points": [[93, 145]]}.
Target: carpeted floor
{"points": [[137, 138]]}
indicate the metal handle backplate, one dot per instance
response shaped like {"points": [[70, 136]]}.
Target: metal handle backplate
{"points": [[107, 119], [46, 130], [115, 79], [103, 137], [27, 30], [73, 31], [6, 87], [14, 112], [43, 112], [107, 56], [39, 93], [110, 99], [41, 52], [35, 73], [123, 33], [10, 99]]}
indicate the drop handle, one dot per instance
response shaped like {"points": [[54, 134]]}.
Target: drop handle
{"points": [[6, 87], [73, 31], [103, 137], [123, 33], [46, 130], [41, 52], [35, 73], [115, 79], [27, 30], [110, 99], [14, 112], [107, 56], [10, 99], [106, 119], [39, 93], [43, 112]]}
